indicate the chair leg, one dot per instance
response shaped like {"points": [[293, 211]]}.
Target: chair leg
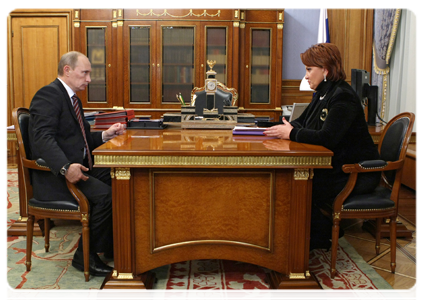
{"points": [[86, 249], [393, 236], [335, 237], [47, 234], [377, 234], [29, 236]]}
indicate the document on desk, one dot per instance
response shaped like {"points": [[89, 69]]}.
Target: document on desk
{"points": [[240, 130]]}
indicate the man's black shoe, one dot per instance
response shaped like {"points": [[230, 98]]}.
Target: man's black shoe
{"points": [[97, 266], [109, 254]]}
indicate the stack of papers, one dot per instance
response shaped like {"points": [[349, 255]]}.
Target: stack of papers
{"points": [[241, 130], [105, 120]]}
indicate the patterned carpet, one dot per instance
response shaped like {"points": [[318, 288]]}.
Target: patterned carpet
{"points": [[53, 270]]}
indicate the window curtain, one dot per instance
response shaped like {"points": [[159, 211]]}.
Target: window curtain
{"points": [[385, 28]]}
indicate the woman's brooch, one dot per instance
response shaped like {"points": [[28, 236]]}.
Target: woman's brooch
{"points": [[324, 114]]}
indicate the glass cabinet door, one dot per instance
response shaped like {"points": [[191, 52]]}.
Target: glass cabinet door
{"points": [[96, 52], [216, 50], [260, 65], [139, 64], [178, 58]]}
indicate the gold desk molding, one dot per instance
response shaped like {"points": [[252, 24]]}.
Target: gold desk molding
{"points": [[238, 161], [11, 136]]}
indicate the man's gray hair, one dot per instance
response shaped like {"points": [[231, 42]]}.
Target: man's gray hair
{"points": [[70, 59]]}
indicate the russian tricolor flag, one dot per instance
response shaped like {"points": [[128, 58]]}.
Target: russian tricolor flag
{"points": [[322, 37]]}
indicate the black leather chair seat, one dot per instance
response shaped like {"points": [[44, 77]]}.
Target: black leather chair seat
{"points": [[54, 204], [379, 199]]}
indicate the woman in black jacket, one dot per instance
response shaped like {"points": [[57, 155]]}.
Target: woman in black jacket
{"points": [[334, 119]]}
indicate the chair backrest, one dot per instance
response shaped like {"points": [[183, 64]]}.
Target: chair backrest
{"points": [[21, 129], [394, 142], [20, 118]]}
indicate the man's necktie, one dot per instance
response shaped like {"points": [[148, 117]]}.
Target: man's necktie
{"points": [[77, 109]]}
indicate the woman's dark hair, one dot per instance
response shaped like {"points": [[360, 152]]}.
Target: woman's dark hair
{"points": [[326, 56]]}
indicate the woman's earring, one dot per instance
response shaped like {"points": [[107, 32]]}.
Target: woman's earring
{"points": [[324, 75]]}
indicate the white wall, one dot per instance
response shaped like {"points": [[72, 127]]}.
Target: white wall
{"points": [[403, 67], [299, 33]]}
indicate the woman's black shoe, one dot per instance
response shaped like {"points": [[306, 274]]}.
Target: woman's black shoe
{"points": [[320, 244]]}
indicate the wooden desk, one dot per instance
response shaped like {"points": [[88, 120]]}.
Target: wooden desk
{"points": [[409, 173], [193, 194]]}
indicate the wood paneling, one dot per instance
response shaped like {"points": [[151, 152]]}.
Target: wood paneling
{"points": [[352, 31], [36, 43]]}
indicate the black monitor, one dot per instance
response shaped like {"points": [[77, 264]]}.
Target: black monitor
{"points": [[360, 79], [372, 97], [360, 82]]}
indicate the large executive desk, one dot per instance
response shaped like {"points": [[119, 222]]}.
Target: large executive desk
{"points": [[19, 227], [194, 194]]}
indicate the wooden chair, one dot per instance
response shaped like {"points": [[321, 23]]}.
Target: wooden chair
{"points": [[42, 209], [383, 202]]}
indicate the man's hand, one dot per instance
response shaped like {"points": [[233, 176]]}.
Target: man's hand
{"points": [[113, 131], [280, 131], [74, 173]]}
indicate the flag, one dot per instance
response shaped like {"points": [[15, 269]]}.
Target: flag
{"points": [[322, 37], [323, 34]]}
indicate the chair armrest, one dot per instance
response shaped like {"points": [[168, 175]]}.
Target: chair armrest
{"points": [[362, 167], [372, 166], [79, 197], [38, 164]]}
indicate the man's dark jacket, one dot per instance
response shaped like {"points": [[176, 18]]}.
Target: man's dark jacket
{"points": [[56, 136]]}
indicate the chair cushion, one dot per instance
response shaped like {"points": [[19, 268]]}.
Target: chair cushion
{"points": [[379, 199], [54, 204]]}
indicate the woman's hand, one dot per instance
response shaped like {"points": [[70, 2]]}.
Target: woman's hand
{"points": [[281, 131]]}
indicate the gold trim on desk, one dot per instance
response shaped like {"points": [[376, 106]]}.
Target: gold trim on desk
{"points": [[125, 276], [11, 136], [301, 174], [209, 161], [122, 173], [297, 276]]}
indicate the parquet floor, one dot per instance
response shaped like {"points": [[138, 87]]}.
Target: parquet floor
{"points": [[364, 243]]}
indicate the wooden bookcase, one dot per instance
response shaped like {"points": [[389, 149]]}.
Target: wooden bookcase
{"points": [[142, 58]]}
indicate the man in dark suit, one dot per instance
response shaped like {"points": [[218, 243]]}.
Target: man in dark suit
{"points": [[60, 135]]}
